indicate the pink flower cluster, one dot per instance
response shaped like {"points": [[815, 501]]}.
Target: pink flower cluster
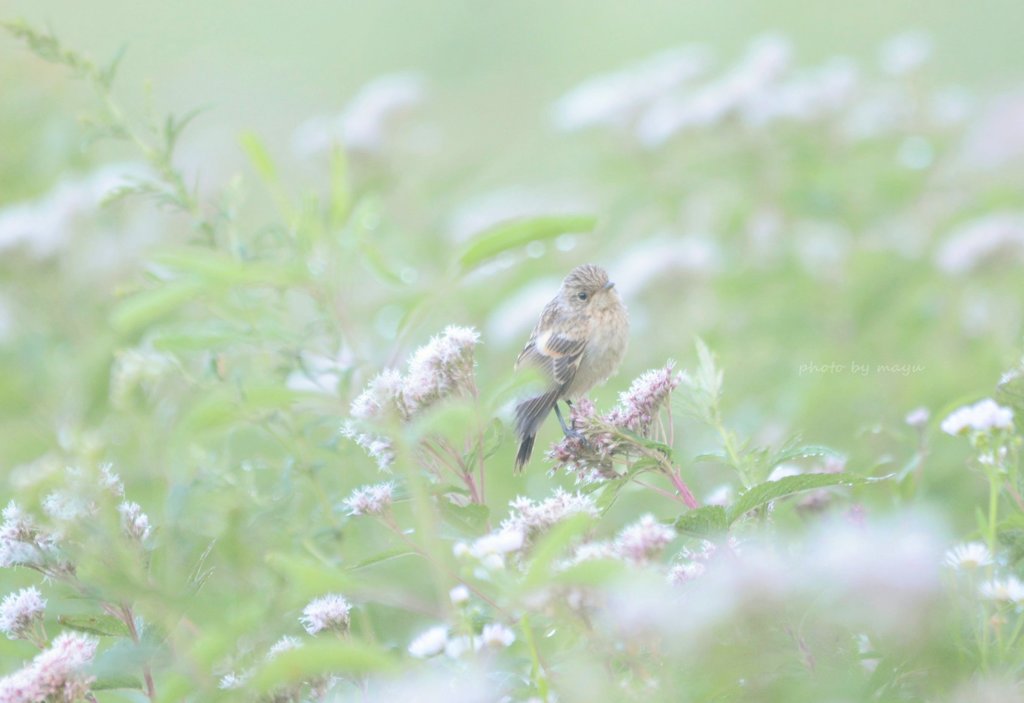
{"points": [[55, 674]]}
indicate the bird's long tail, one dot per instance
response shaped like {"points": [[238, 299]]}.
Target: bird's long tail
{"points": [[529, 415]]}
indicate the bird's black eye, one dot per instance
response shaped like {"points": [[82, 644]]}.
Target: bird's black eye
{"points": [[581, 295]]}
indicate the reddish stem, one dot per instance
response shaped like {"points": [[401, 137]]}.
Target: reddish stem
{"points": [[684, 490]]}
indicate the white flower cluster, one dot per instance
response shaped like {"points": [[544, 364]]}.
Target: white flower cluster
{"points": [[644, 540], [330, 612], [134, 522], [368, 121], [370, 500], [22, 542], [20, 611], [440, 369], [436, 640], [984, 416], [55, 674], [531, 518]]}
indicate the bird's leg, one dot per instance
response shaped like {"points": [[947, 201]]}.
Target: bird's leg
{"points": [[569, 431]]}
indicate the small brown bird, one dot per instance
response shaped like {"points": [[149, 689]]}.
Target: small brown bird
{"points": [[578, 343]]}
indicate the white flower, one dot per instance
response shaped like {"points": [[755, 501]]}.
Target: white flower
{"points": [[644, 539], [378, 448], [368, 120], [532, 517], [917, 417], [614, 99], [370, 500], [134, 522], [43, 225], [998, 235], [501, 542], [459, 595], [234, 679], [639, 405], [429, 643], [284, 644], [54, 674], [1008, 590], [440, 368], [983, 416], [686, 571], [968, 557], [905, 53], [383, 393], [496, 636], [19, 611], [327, 612]]}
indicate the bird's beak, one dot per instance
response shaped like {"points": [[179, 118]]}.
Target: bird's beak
{"points": [[609, 285]]}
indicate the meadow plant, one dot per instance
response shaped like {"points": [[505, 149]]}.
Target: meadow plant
{"points": [[246, 547]]}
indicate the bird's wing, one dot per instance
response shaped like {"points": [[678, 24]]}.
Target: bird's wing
{"points": [[554, 355]]}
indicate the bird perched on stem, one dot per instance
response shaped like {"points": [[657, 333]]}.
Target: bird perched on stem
{"points": [[578, 343]]}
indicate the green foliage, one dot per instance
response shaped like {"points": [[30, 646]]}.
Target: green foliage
{"points": [[216, 362]]}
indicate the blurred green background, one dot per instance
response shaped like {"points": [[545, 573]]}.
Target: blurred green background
{"points": [[846, 274]]}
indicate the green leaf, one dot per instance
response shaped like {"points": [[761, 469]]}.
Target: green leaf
{"points": [[517, 233], [223, 270], [764, 493], [552, 546], [592, 572], [148, 306], [609, 493], [100, 625], [792, 451], [258, 155], [323, 657], [704, 522], [114, 681], [382, 557], [311, 578], [469, 519]]}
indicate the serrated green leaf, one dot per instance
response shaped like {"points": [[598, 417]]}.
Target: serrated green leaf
{"points": [[517, 233], [101, 625], [148, 306], [801, 451], [320, 658], [764, 493], [703, 522]]}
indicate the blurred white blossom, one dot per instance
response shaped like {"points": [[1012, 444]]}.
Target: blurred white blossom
{"points": [[20, 611], [1007, 590], [614, 99], [330, 612], [968, 557], [134, 522], [984, 416], [905, 53], [496, 636], [429, 643], [371, 500], [43, 225], [977, 241], [644, 540], [54, 674], [369, 120]]}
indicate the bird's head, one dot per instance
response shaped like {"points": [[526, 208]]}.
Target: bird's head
{"points": [[587, 286]]}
